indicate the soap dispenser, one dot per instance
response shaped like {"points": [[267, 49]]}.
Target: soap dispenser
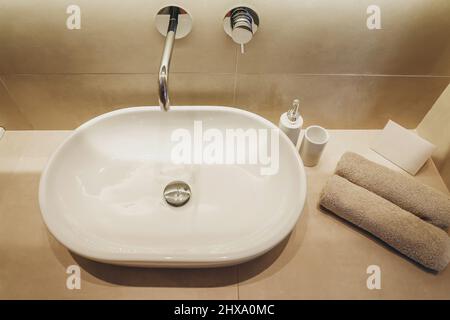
{"points": [[291, 122]]}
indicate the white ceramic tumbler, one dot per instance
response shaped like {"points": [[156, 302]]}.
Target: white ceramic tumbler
{"points": [[314, 141]]}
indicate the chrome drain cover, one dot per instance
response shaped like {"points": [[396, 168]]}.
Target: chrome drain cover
{"points": [[177, 193]]}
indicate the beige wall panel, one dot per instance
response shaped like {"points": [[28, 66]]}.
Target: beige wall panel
{"points": [[115, 37], [66, 101], [10, 115], [343, 102], [436, 128]]}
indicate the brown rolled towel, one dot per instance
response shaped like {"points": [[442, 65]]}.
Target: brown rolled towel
{"points": [[420, 241], [423, 201]]}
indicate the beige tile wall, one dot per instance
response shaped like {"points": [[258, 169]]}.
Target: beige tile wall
{"points": [[11, 115], [64, 101], [321, 51], [340, 101], [436, 128]]}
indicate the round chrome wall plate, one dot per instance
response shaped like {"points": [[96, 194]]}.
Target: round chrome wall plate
{"points": [[184, 22], [227, 20]]}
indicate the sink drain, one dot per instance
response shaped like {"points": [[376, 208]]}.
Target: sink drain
{"points": [[177, 193]]}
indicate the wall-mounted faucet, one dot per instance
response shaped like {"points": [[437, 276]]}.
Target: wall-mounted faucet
{"points": [[174, 23]]}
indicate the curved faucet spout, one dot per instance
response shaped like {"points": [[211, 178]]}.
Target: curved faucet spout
{"points": [[163, 80]]}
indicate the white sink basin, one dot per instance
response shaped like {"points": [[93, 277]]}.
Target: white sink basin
{"points": [[101, 194]]}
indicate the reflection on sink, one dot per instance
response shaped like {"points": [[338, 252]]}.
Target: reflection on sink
{"points": [[101, 194]]}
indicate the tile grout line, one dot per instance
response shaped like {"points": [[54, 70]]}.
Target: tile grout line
{"points": [[369, 75], [19, 109], [108, 73], [235, 77], [235, 73], [439, 174]]}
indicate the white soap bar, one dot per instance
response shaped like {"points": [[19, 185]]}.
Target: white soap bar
{"points": [[403, 147]]}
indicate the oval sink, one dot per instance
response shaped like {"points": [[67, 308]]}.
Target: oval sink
{"points": [[101, 193]]}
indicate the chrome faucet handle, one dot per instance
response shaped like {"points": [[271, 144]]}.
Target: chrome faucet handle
{"points": [[240, 24]]}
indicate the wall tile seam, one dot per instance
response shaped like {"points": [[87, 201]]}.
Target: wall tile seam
{"points": [[16, 105], [235, 75], [433, 163], [2, 75]]}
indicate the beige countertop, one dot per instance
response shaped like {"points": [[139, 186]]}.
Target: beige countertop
{"points": [[324, 257]]}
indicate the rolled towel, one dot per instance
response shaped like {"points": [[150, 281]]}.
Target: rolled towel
{"points": [[420, 241], [423, 201]]}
